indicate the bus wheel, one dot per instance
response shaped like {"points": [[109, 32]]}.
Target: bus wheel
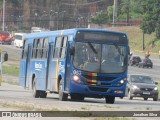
{"points": [[62, 96], [43, 94], [110, 99], [77, 96], [36, 93]]}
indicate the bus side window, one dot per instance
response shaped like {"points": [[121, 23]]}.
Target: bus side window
{"points": [[57, 47], [24, 50], [45, 48], [34, 48], [63, 47], [39, 48], [35, 44]]}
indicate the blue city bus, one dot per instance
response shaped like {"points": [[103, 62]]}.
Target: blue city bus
{"points": [[79, 63]]}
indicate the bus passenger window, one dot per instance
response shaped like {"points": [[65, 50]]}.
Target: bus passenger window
{"points": [[34, 48], [63, 49], [45, 48], [39, 48], [37, 43], [24, 50], [57, 47]]}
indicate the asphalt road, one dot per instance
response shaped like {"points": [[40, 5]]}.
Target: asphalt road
{"points": [[153, 72]]}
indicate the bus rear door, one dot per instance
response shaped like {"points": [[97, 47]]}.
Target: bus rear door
{"points": [[24, 63]]}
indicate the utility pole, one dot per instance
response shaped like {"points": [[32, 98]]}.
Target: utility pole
{"points": [[143, 41], [114, 11], [3, 25], [127, 6]]}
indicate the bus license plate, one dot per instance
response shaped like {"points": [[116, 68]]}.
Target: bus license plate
{"points": [[146, 93]]}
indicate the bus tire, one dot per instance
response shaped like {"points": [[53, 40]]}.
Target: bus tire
{"points": [[43, 94], [36, 93], [110, 99], [75, 96], [62, 96]]}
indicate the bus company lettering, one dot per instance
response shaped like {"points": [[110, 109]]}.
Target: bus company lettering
{"points": [[38, 66]]}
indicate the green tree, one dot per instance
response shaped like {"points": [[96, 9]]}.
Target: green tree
{"points": [[100, 18], [110, 12], [151, 17], [126, 9], [132, 6]]}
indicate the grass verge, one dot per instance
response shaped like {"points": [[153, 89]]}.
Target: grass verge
{"points": [[10, 70]]}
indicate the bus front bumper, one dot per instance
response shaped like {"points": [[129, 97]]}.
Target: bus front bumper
{"points": [[94, 90]]}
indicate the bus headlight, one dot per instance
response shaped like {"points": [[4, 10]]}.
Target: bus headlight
{"points": [[76, 78], [121, 81]]}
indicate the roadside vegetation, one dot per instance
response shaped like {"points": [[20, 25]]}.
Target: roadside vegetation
{"points": [[10, 70], [135, 36]]}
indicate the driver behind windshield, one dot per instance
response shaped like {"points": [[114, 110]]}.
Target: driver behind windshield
{"points": [[81, 56]]}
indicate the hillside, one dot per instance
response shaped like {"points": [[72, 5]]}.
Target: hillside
{"points": [[135, 36]]}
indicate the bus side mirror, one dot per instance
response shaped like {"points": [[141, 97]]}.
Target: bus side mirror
{"points": [[6, 57], [72, 51]]}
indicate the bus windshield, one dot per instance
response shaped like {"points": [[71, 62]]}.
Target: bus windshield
{"points": [[100, 58]]}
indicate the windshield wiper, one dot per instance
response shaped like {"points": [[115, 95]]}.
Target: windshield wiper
{"points": [[93, 49]]}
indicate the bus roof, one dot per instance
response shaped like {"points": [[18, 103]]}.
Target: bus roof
{"points": [[66, 32]]}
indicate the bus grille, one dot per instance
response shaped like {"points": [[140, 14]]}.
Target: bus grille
{"points": [[95, 79], [97, 89], [99, 78]]}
